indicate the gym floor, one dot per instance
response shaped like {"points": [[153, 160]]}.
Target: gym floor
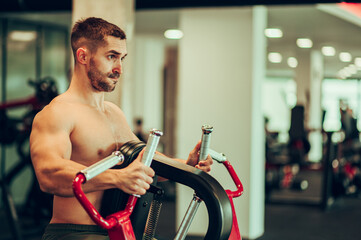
{"points": [[295, 222], [298, 215], [283, 219]]}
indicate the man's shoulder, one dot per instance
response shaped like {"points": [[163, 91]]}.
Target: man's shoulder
{"points": [[58, 105], [58, 110], [114, 108], [111, 104]]}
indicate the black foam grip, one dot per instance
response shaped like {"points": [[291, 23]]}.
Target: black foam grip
{"points": [[114, 200]]}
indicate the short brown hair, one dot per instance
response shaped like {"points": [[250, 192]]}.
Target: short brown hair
{"points": [[91, 33]]}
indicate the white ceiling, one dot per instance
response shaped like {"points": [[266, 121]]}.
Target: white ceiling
{"points": [[296, 21], [314, 23]]}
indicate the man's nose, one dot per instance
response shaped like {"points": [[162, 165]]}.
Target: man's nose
{"points": [[118, 68]]}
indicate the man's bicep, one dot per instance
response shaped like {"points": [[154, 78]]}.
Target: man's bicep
{"points": [[50, 147]]}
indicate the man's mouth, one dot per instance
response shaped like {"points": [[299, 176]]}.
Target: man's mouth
{"points": [[114, 76]]}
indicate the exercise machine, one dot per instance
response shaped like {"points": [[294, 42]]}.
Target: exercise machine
{"points": [[123, 225]]}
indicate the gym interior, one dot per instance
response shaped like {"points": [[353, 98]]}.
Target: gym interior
{"points": [[278, 81]]}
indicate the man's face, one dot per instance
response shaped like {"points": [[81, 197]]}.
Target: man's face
{"points": [[105, 65]]}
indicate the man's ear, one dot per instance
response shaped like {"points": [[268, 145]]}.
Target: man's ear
{"points": [[82, 55]]}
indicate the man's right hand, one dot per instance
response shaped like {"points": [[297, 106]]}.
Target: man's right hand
{"points": [[136, 178]]}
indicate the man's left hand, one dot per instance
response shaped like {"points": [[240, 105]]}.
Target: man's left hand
{"points": [[204, 165]]}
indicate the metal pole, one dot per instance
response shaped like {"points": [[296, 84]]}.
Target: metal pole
{"points": [[38, 56], [193, 206], [3, 85], [188, 218]]}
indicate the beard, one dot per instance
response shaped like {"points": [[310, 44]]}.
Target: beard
{"points": [[99, 80]]}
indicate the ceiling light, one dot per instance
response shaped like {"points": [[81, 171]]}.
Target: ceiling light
{"points": [[273, 32], [292, 62], [342, 74], [173, 34], [328, 51], [274, 57], [358, 62], [345, 73], [352, 68], [24, 36], [349, 70], [304, 42], [345, 57]]}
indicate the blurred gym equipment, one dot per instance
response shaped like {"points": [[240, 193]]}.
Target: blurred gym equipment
{"points": [[16, 132]]}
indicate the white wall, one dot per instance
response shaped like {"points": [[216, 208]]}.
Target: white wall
{"points": [[221, 69], [148, 81]]}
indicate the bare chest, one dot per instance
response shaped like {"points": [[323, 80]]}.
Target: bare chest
{"points": [[96, 136]]}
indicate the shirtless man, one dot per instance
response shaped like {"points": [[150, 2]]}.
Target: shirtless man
{"points": [[78, 128]]}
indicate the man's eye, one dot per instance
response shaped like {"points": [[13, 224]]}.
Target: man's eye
{"points": [[111, 57]]}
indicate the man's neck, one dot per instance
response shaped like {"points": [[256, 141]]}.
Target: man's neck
{"points": [[81, 88]]}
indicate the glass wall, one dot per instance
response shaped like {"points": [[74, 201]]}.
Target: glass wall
{"points": [[344, 92], [279, 97], [32, 51], [20, 66]]}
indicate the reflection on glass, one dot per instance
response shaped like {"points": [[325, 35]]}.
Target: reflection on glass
{"points": [[21, 64], [22, 36]]}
